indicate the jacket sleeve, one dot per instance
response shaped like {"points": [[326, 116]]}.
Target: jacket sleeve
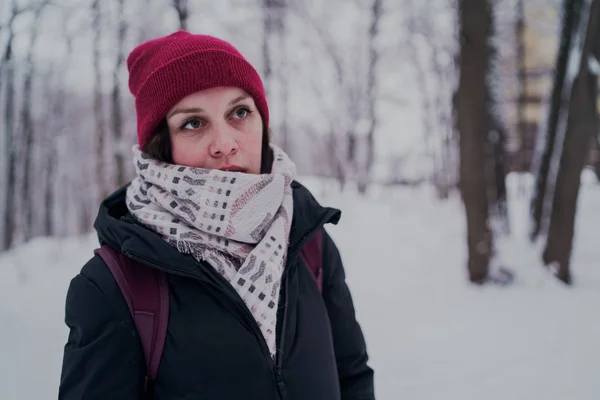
{"points": [[356, 377], [103, 358]]}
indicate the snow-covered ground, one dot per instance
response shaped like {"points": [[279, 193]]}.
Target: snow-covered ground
{"points": [[431, 335]]}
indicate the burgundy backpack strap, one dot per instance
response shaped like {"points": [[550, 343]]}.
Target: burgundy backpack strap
{"points": [[146, 293], [312, 253]]}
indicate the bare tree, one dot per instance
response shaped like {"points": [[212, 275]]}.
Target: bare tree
{"points": [[341, 119], [522, 79], [49, 159], [117, 109], [100, 125], [27, 133], [182, 9], [434, 75], [473, 120], [7, 75], [64, 214], [580, 126], [496, 138], [421, 78], [545, 147], [374, 28], [596, 143], [274, 63], [273, 24], [496, 175]]}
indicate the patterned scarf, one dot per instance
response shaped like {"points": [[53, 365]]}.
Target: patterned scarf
{"points": [[239, 223]]}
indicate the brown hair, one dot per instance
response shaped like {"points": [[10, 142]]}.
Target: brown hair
{"points": [[159, 147]]}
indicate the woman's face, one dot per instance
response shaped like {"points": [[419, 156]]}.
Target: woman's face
{"points": [[218, 128]]}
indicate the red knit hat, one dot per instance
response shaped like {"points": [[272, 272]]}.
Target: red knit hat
{"points": [[164, 70]]}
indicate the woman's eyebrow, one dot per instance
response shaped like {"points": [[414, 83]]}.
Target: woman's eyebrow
{"points": [[238, 99], [184, 111]]}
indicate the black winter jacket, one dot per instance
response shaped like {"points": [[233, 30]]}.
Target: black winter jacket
{"points": [[214, 349]]}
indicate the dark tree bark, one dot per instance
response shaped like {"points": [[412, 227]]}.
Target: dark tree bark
{"points": [[100, 126], [597, 161], [7, 73], [55, 98], [582, 124], [570, 13], [181, 7], [116, 115], [376, 13], [522, 79], [48, 228], [473, 119], [28, 136]]}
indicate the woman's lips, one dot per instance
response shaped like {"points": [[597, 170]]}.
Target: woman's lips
{"points": [[233, 168]]}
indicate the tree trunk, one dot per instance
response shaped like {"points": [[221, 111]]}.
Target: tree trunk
{"points": [[181, 7], [547, 135], [522, 79], [597, 144], [365, 173], [50, 176], [49, 164], [496, 170], [117, 119], [274, 65], [427, 112], [472, 112], [335, 160], [581, 124], [53, 95], [286, 144], [7, 74], [443, 114], [100, 127], [28, 160], [266, 48], [497, 193]]}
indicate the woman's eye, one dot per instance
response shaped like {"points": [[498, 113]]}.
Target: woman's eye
{"points": [[192, 124], [241, 113]]}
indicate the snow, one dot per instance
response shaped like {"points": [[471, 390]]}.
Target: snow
{"points": [[431, 335], [593, 65]]}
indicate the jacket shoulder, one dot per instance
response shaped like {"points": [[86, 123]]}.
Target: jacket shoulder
{"points": [[95, 275], [102, 339]]}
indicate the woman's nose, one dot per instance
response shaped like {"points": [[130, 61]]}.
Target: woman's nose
{"points": [[224, 143]]}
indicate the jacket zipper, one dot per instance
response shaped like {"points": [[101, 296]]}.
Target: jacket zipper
{"points": [[277, 363], [280, 348]]}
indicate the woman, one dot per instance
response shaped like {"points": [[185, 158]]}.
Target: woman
{"points": [[216, 207]]}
